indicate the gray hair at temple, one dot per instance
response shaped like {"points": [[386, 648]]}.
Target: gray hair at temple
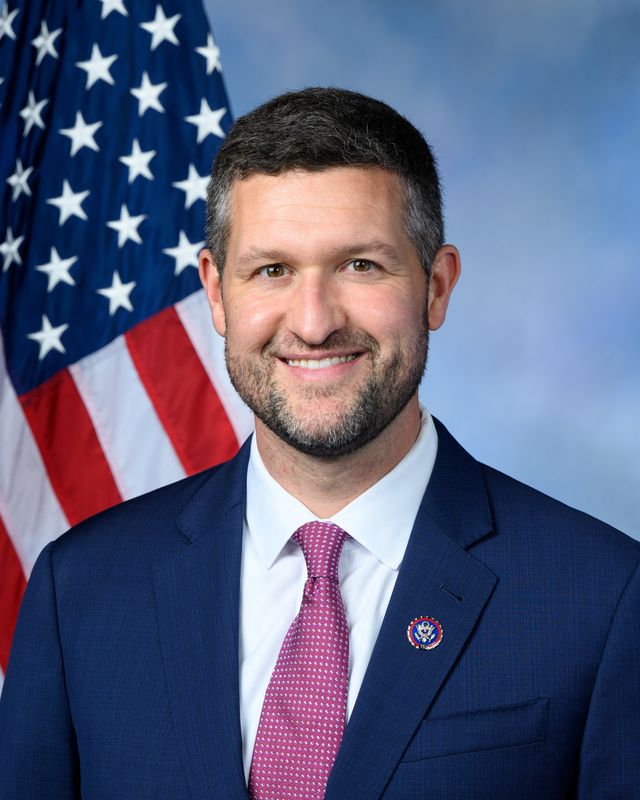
{"points": [[316, 129]]}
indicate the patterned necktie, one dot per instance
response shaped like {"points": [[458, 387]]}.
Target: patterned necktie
{"points": [[304, 709]]}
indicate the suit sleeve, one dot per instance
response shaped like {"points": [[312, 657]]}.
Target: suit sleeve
{"points": [[38, 754], [610, 754]]}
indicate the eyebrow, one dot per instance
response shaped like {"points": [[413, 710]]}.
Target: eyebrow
{"points": [[373, 247], [256, 254]]}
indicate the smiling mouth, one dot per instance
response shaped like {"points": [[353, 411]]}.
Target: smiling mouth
{"points": [[321, 363]]}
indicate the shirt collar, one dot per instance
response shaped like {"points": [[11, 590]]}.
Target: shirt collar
{"points": [[380, 519]]}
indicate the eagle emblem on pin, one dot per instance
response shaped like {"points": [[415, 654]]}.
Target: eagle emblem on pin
{"points": [[424, 633]]}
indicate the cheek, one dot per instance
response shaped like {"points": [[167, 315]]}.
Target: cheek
{"points": [[251, 324], [392, 319]]}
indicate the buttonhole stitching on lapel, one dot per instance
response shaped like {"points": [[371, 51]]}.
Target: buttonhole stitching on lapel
{"points": [[458, 598]]}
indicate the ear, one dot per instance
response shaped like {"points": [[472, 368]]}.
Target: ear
{"points": [[445, 272], [212, 283]]}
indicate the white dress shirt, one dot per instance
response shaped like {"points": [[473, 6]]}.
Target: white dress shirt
{"points": [[273, 569]]}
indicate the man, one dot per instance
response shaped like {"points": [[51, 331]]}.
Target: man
{"points": [[353, 564]]}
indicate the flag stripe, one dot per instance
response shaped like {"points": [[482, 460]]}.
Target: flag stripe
{"points": [[12, 588], [77, 467], [31, 511], [122, 414], [195, 315], [82, 408], [181, 391]]}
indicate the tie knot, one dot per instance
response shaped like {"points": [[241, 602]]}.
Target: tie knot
{"points": [[321, 543]]}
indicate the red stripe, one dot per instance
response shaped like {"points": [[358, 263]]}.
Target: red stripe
{"points": [[181, 392], [12, 583], [72, 455]]}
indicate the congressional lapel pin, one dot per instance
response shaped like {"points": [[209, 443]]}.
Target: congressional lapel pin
{"points": [[424, 633]]}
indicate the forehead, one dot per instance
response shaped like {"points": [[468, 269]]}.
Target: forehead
{"points": [[331, 203]]}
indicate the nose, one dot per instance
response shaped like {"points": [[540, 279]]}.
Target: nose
{"points": [[316, 309]]}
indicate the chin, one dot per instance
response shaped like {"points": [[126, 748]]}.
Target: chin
{"points": [[325, 434]]}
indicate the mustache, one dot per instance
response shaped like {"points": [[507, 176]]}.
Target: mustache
{"points": [[345, 339]]}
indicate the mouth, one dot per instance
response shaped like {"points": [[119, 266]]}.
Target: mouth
{"points": [[320, 363]]}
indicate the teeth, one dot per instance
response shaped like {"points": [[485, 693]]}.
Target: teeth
{"points": [[322, 363]]}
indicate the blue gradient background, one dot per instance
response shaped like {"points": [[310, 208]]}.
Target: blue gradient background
{"points": [[533, 111]]}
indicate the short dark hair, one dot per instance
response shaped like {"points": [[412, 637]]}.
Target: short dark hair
{"points": [[316, 129]]}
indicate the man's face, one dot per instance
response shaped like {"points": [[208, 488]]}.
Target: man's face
{"points": [[323, 304]]}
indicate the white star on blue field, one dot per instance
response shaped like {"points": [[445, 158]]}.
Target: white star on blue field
{"points": [[532, 110]]}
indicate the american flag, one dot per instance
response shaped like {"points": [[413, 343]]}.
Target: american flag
{"points": [[112, 381]]}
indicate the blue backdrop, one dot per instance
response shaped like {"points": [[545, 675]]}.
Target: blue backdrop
{"points": [[533, 111]]}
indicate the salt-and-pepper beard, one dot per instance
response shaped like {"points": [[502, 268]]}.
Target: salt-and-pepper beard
{"points": [[366, 412]]}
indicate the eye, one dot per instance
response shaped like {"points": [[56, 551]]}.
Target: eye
{"points": [[360, 265], [273, 271]]}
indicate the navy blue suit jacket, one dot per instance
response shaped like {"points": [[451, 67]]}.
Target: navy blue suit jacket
{"points": [[123, 680]]}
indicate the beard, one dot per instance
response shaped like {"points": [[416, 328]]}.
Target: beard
{"points": [[356, 416]]}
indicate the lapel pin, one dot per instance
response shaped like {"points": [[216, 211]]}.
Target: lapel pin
{"points": [[424, 633]]}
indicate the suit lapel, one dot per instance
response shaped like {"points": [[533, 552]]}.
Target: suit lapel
{"points": [[197, 596], [439, 579]]}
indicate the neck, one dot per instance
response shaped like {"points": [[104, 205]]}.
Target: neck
{"points": [[326, 485]]}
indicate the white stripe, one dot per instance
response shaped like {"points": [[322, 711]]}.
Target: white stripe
{"points": [[1, 680], [196, 317], [28, 504], [132, 437]]}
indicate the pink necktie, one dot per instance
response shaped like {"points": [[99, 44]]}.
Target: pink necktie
{"points": [[303, 714]]}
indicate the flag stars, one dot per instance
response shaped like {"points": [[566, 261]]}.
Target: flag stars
{"points": [[69, 203], [44, 42], [18, 181], [185, 253], [161, 28], [48, 337], [127, 226], [113, 5], [194, 186], [9, 250], [82, 134], [212, 55], [6, 21], [32, 113], [138, 162], [58, 270], [118, 294], [207, 121], [97, 67], [147, 95]]}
